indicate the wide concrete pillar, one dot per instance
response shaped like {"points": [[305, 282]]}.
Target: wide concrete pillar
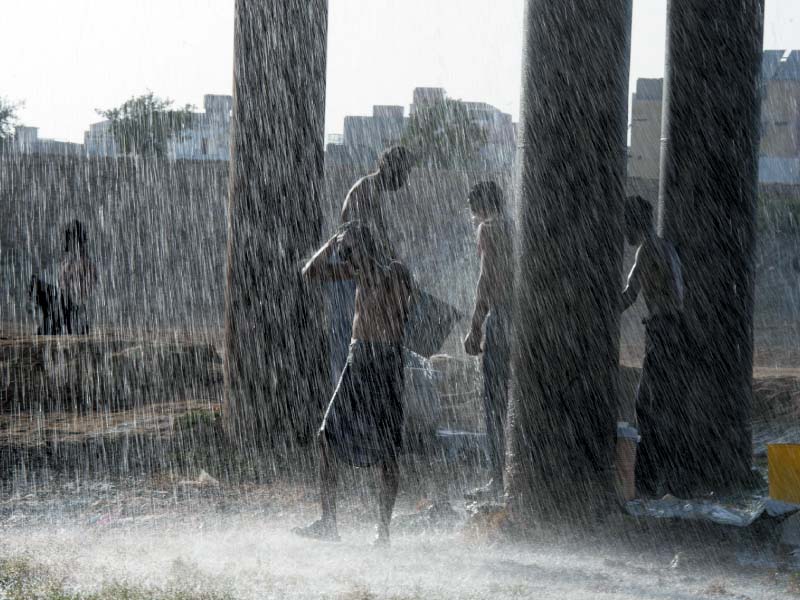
{"points": [[569, 256], [275, 367], [707, 203]]}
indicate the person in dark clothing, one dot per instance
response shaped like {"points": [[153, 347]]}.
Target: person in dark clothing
{"points": [[363, 423], [44, 297], [493, 311], [76, 278], [657, 273]]}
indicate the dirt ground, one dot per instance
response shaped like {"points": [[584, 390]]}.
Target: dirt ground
{"points": [[165, 527]]}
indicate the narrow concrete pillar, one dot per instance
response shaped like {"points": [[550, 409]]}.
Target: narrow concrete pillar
{"points": [[707, 203], [569, 252], [275, 367]]}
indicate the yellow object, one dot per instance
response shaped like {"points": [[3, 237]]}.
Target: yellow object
{"points": [[784, 472]]}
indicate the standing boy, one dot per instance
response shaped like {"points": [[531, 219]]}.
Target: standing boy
{"points": [[493, 308]]}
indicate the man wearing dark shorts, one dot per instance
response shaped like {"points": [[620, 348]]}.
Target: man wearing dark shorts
{"points": [[363, 423], [657, 273]]}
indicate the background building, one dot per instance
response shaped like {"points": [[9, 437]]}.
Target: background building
{"points": [[208, 138], [26, 140], [645, 151], [364, 137], [779, 161], [779, 155]]}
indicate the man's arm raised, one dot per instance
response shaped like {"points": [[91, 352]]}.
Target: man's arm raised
{"points": [[631, 291], [320, 268]]}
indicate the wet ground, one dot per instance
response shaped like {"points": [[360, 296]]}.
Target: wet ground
{"points": [[196, 538], [69, 529]]}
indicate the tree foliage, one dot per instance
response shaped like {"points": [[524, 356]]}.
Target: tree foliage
{"points": [[143, 125], [444, 135], [8, 117]]}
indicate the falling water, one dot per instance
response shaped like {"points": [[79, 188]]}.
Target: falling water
{"points": [[169, 452]]}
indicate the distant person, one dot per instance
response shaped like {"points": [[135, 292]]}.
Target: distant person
{"points": [[363, 423], [493, 298], [44, 297], [657, 273], [76, 279], [365, 202]]}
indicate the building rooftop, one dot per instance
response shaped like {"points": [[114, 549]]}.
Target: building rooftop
{"points": [[781, 65], [649, 89]]}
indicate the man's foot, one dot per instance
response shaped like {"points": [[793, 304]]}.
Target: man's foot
{"points": [[324, 531], [490, 491]]}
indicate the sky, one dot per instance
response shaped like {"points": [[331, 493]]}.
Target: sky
{"points": [[66, 58]]}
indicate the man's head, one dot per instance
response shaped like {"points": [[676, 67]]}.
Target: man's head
{"points": [[638, 219], [485, 200], [394, 165], [74, 237], [356, 245]]}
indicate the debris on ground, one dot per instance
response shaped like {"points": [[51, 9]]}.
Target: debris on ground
{"points": [[488, 521]]}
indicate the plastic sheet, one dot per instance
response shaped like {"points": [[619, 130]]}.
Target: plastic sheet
{"points": [[738, 512]]}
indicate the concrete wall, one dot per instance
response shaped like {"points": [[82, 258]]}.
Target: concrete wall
{"points": [[780, 119]]}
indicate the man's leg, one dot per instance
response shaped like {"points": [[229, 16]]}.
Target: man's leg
{"points": [[390, 478], [325, 527], [496, 366], [328, 477], [647, 460]]}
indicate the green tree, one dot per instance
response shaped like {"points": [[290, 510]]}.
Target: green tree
{"points": [[8, 117], [444, 135], [143, 125]]}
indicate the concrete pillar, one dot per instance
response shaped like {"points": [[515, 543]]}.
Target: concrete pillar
{"points": [[569, 252], [275, 367], [707, 202]]}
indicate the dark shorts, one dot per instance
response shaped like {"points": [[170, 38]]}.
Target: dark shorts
{"points": [[496, 365], [661, 400], [364, 420]]}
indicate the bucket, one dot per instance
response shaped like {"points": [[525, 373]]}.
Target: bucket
{"points": [[784, 472]]}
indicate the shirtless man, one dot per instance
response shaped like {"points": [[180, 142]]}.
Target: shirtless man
{"points": [[492, 307], [363, 423], [657, 274], [365, 202], [366, 199]]}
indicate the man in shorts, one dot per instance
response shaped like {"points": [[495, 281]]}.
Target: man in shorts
{"points": [[363, 423]]}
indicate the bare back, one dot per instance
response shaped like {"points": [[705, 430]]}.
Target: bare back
{"points": [[658, 272], [364, 203], [382, 304], [496, 250]]}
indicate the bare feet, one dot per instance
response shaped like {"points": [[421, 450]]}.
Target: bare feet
{"points": [[324, 531]]}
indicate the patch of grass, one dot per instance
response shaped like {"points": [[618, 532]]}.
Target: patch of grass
{"points": [[22, 579]]}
